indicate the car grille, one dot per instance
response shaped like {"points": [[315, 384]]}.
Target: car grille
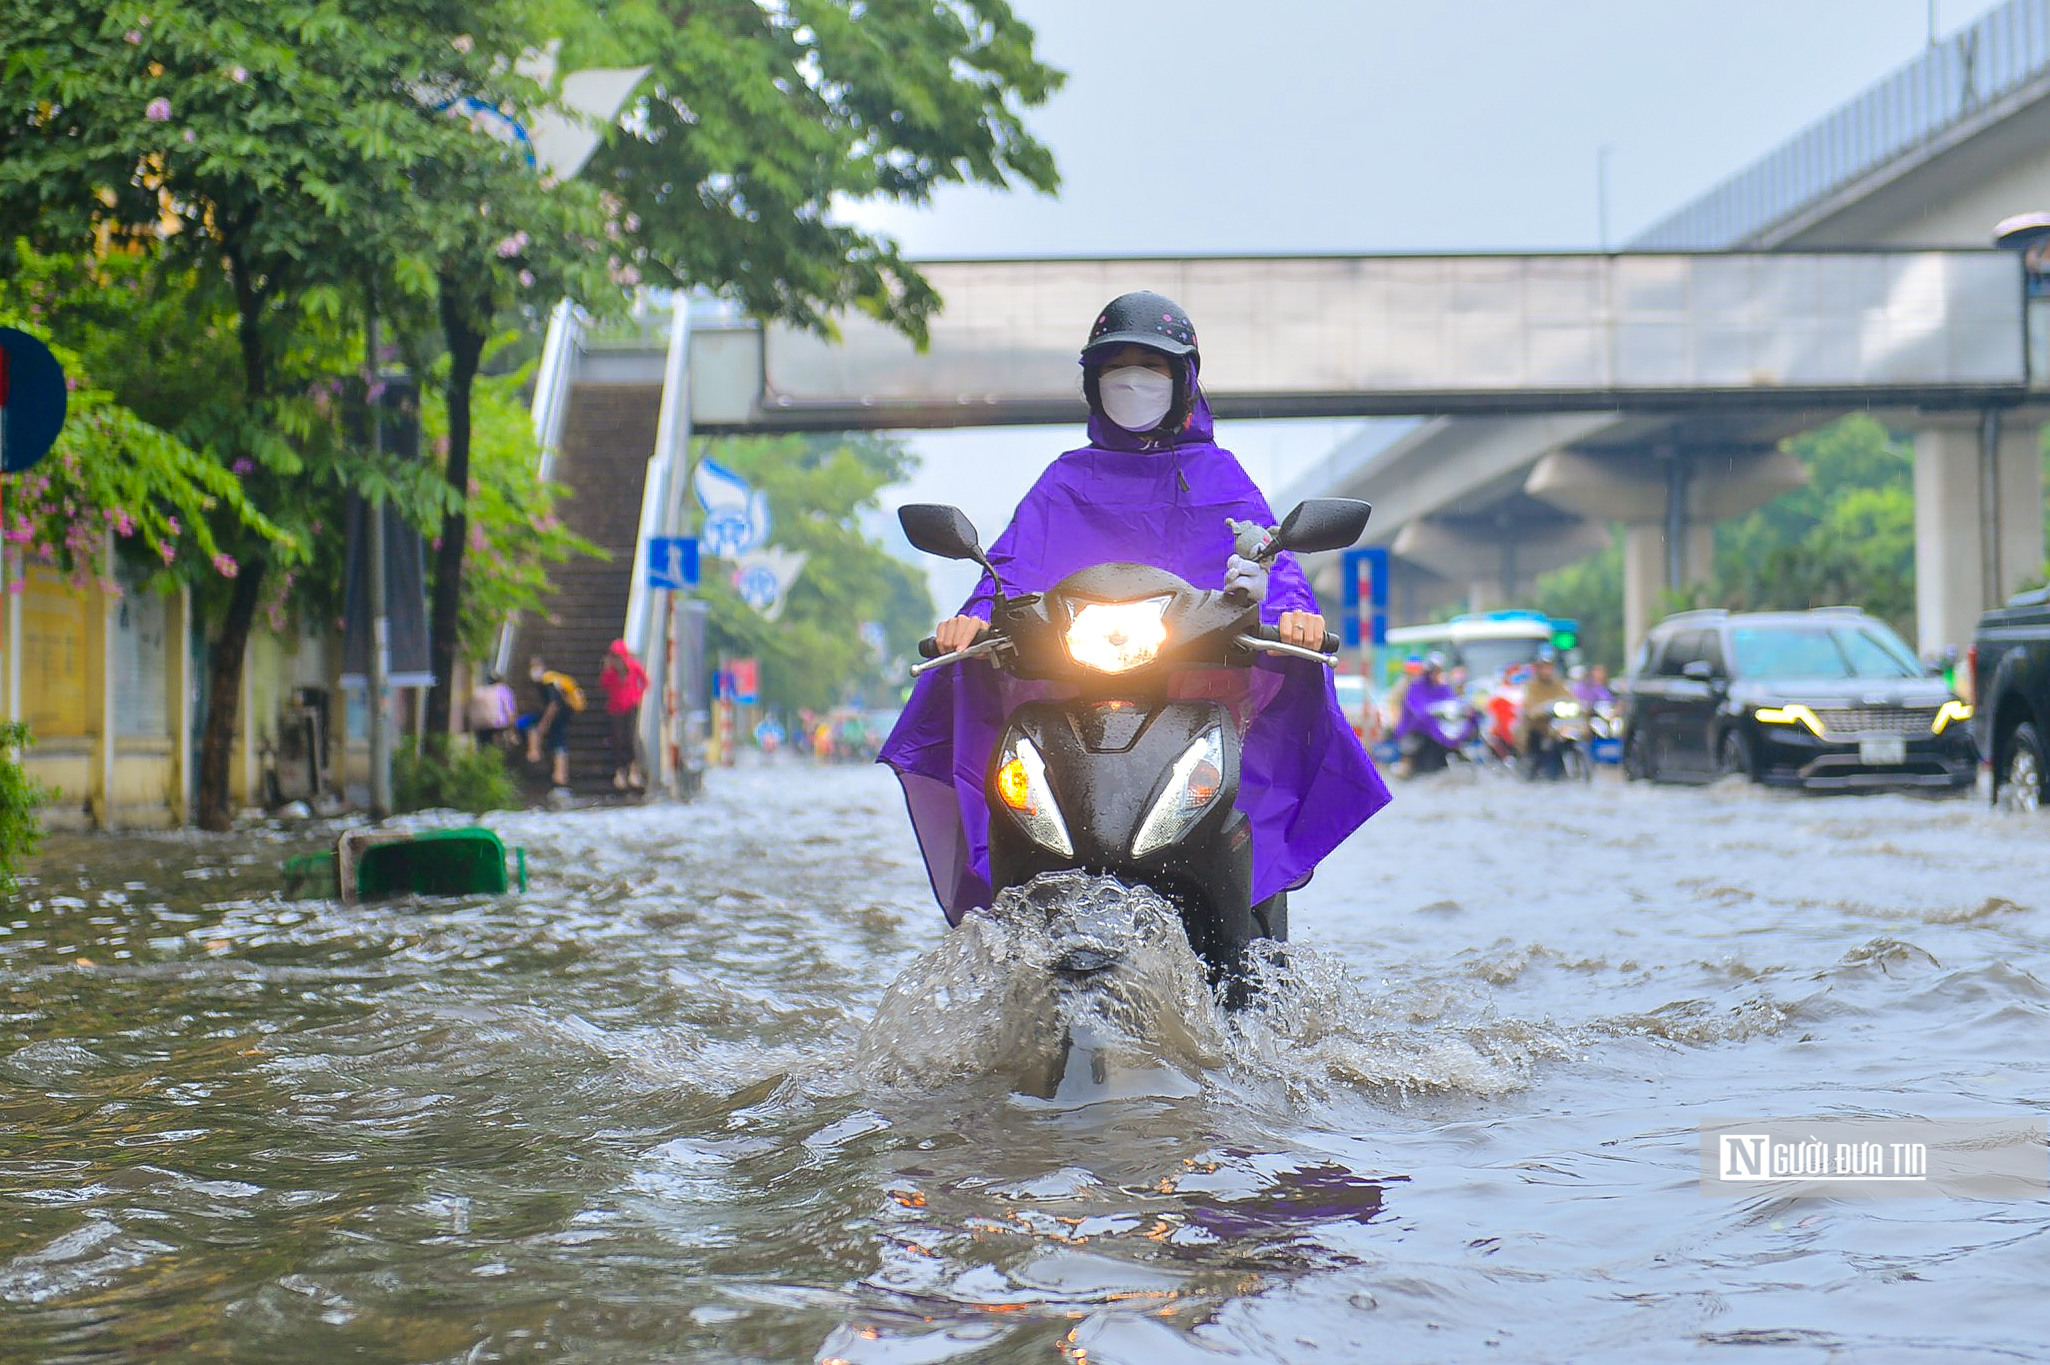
{"points": [[1848, 722]]}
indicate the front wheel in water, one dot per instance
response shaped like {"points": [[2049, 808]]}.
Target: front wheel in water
{"points": [[2021, 772]]}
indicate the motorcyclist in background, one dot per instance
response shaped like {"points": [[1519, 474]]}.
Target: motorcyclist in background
{"points": [[1534, 724], [1591, 686], [1424, 733]]}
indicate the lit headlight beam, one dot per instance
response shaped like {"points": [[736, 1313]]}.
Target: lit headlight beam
{"points": [[1116, 637]]}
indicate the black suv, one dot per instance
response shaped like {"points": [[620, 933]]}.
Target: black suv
{"points": [[1828, 699]]}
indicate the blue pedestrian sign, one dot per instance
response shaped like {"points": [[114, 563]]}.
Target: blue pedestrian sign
{"points": [[33, 398], [672, 562]]}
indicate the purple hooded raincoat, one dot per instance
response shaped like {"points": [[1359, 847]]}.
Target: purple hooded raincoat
{"points": [[1305, 783]]}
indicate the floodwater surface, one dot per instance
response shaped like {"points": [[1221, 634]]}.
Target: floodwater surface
{"points": [[722, 1087]]}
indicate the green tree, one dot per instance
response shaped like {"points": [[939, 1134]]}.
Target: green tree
{"points": [[755, 124], [271, 148], [821, 489], [114, 469], [20, 796], [1846, 539], [1590, 592], [759, 120]]}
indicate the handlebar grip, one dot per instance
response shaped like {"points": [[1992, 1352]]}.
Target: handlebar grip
{"points": [[929, 648], [1331, 645]]}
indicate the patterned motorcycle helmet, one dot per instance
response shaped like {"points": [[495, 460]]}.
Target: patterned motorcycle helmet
{"points": [[1142, 318]]}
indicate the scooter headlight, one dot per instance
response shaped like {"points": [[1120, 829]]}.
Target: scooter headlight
{"points": [[1022, 787], [1115, 637], [1192, 787]]}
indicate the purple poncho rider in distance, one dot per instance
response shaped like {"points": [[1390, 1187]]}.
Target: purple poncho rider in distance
{"points": [[1151, 487]]}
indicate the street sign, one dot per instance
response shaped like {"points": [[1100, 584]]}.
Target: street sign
{"points": [[1366, 595], [32, 400], [672, 562], [747, 681]]}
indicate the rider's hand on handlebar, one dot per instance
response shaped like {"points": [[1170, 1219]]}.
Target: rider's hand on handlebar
{"points": [[958, 632], [1305, 628]]}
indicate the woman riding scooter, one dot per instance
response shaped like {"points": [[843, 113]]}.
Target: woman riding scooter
{"points": [[1427, 732], [1151, 487]]}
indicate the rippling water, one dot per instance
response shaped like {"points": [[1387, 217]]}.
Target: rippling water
{"points": [[670, 1104]]}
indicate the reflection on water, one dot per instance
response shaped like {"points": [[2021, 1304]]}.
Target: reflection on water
{"points": [[720, 1087]]}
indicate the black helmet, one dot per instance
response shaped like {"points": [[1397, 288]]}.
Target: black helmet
{"points": [[1143, 318]]}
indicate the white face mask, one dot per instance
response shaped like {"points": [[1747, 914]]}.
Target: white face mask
{"points": [[1135, 397]]}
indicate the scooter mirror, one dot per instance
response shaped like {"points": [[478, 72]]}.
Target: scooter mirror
{"points": [[1320, 524], [940, 530]]}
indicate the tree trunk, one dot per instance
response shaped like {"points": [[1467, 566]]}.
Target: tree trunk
{"points": [[224, 697], [465, 337], [224, 677]]}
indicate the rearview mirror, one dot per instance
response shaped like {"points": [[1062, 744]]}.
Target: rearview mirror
{"points": [[1699, 670], [1319, 524], [940, 530]]}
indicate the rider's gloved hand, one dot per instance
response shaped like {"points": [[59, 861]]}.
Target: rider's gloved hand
{"points": [[1249, 574]]}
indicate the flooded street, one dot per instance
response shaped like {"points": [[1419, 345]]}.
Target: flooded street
{"points": [[661, 1107]]}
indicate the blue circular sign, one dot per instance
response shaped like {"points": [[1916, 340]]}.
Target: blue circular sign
{"points": [[32, 400]]}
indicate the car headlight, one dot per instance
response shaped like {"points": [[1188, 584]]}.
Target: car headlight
{"points": [[1115, 637], [1948, 712], [1025, 792], [1566, 710], [1790, 715], [1197, 778]]}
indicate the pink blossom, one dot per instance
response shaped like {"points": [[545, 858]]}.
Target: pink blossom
{"points": [[238, 74], [462, 42], [243, 465], [158, 110], [441, 445], [508, 248], [167, 550], [189, 136], [225, 565], [526, 279], [633, 222], [133, 36], [171, 523]]}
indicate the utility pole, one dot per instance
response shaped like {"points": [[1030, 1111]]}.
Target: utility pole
{"points": [[380, 619]]}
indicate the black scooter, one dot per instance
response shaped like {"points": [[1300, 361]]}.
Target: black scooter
{"points": [[1120, 778]]}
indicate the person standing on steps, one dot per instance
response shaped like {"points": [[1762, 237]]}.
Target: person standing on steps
{"points": [[561, 698], [624, 682]]}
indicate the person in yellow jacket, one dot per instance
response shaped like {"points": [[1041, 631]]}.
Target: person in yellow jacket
{"points": [[1534, 718]]}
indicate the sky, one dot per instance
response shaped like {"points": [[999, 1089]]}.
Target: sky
{"points": [[1201, 127]]}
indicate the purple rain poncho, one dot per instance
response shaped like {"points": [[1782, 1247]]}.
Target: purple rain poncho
{"points": [[1416, 718], [1305, 783]]}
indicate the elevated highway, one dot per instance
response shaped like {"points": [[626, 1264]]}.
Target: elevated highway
{"points": [[1932, 156]]}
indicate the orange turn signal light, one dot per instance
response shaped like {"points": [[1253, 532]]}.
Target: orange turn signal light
{"points": [[1204, 780], [1015, 786]]}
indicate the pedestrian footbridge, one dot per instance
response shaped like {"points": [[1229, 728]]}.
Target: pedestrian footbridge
{"points": [[1345, 336]]}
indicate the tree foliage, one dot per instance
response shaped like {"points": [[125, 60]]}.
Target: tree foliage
{"points": [[759, 120], [20, 795], [1846, 539], [822, 489], [1590, 592], [515, 534]]}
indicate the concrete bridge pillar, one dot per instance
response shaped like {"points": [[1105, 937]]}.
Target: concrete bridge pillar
{"points": [[1978, 522], [1668, 502]]}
